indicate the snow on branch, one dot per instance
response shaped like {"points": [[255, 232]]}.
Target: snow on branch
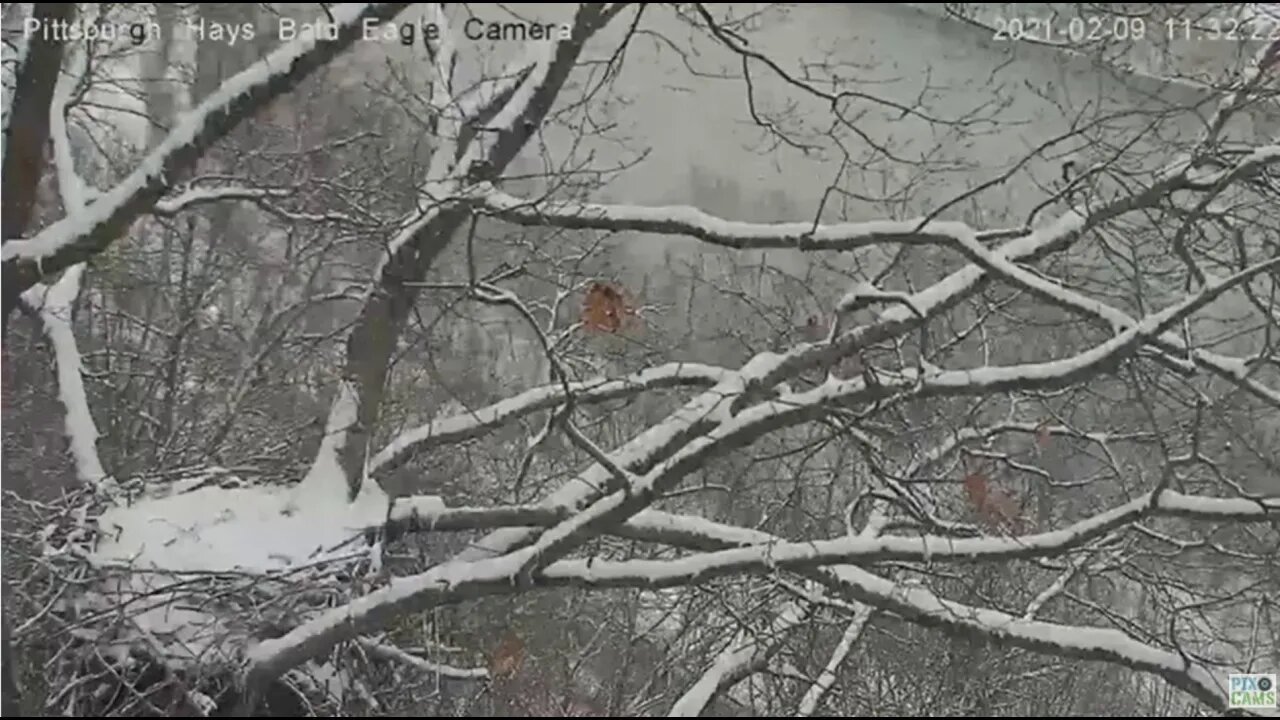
{"points": [[748, 653], [327, 478], [477, 570], [390, 652], [690, 221], [923, 607], [936, 549], [54, 305], [1230, 369], [909, 310], [429, 513], [767, 369], [192, 197], [845, 236], [452, 160], [472, 424], [641, 452], [1058, 372], [79, 236], [827, 678], [443, 57], [425, 234], [474, 102]]}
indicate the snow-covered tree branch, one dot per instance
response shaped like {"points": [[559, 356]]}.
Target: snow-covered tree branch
{"points": [[79, 236]]}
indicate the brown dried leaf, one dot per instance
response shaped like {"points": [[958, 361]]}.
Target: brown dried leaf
{"points": [[508, 657], [605, 308], [975, 487]]}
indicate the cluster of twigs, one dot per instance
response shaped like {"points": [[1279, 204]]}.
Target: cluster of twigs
{"points": [[92, 639]]}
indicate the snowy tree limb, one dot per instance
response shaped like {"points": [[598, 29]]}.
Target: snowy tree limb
{"points": [[813, 696], [750, 652], [671, 433], [1055, 588], [54, 305], [935, 549], [78, 237], [472, 424], [747, 653], [921, 606], [741, 407], [694, 223], [195, 197], [390, 652], [459, 579]]}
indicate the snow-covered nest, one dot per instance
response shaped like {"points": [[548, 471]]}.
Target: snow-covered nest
{"points": [[187, 575]]}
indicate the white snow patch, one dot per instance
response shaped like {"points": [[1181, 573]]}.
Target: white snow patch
{"points": [[257, 529], [168, 542]]}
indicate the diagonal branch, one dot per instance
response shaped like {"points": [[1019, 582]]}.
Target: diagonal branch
{"points": [[746, 654], [78, 237], [813, 696]]}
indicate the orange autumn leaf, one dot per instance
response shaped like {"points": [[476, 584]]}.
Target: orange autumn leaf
{"points": [[605, 308], [508, 656]]}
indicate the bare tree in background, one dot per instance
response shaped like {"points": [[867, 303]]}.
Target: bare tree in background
{"points": [[371, 411]]}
